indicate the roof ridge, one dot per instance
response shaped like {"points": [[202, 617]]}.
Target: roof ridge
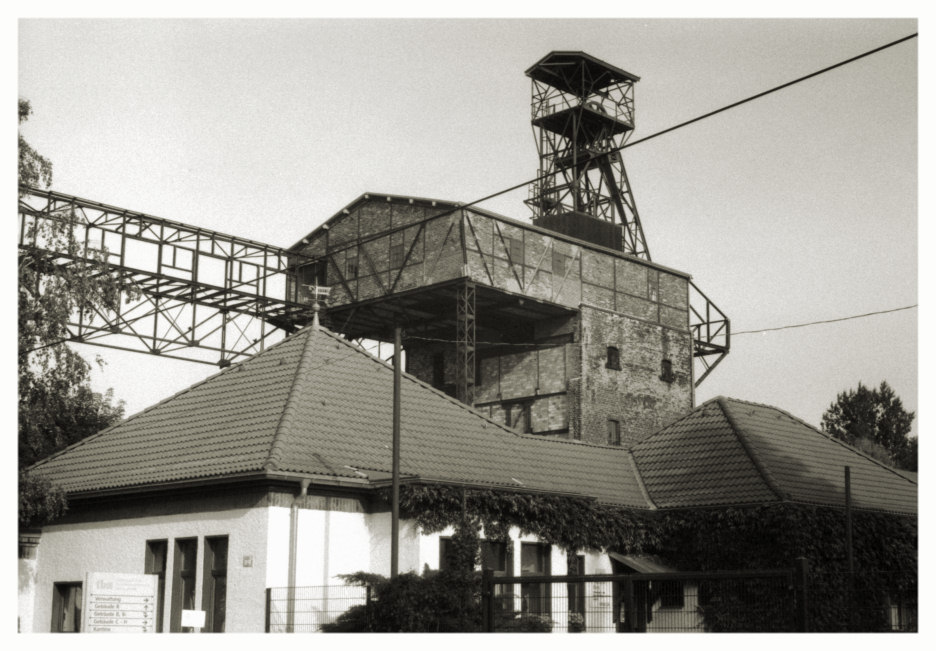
{"points": [[276, 449], [145, 410], [748, 447], [829, 437]]}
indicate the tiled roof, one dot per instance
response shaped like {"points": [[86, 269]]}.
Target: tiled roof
{"points": [[316, 405], [729, 451]]}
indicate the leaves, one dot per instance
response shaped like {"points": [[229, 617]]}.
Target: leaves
{"points": [[874, 421]]}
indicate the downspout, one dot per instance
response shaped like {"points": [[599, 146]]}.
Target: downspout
{"points": [[293, 547]]}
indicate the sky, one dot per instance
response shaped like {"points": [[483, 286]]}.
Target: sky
{"points": [[795, 208]]}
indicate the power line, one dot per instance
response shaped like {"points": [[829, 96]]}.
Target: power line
{"points": [[811, 323], [693, 120]]}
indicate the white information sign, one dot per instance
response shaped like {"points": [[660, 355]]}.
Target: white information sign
{"points": [[193, 618], [119, 603]]}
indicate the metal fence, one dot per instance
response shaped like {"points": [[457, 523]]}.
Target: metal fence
{"points": [[765, 601], [863, 601], [306, 609]]}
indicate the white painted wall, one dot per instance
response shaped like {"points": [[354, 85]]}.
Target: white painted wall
{"points": [[68, 551]]}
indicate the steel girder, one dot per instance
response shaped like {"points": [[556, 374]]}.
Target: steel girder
{"points": [[189, 293]]}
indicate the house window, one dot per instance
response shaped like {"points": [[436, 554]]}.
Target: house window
{"points": [[613, 359], [214, 597], [494, 557], [671, 594], [183, 581], [666, 371], [396, 256], [614, 432], [534, 561], [66, 607], [156, 553], [351, 268]]}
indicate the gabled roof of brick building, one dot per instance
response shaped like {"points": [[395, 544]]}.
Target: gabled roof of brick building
{"points": [[316, 406], [732, 452]]}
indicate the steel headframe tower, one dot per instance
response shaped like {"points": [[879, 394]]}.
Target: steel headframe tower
{"points": [[582, 114]]}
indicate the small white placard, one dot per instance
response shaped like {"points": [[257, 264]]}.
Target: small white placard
{"points": [[193, 618]]}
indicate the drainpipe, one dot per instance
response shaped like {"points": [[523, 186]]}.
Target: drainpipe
{"points": [[293, 546]]}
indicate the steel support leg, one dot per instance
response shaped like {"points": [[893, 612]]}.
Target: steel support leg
{"points": [[465, 344]]}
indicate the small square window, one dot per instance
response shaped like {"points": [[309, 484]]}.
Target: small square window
{"points": [[351, 268], [614, 359], [559, 264], [666, 371]]}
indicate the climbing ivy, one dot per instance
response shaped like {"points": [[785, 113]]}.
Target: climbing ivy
{"points": [[711, 539]]}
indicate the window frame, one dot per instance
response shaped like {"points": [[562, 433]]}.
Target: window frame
{"points": [[613, 358], [614, 431], [149, 567], [180, 575], [214, 574], [65, 597]]}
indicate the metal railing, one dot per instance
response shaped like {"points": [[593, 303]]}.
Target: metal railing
{"points": [[306, 609], [762, 601]]}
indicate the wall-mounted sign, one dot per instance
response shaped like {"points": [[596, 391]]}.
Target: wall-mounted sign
{"points": [[119, 603], [193, 618]]}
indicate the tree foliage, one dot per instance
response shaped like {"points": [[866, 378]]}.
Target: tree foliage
{"points": [[56, 404], [874, 421]]}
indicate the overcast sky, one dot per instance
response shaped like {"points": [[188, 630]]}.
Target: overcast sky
{"points": [[795, 208]]}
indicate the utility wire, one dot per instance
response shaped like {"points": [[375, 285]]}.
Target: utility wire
{"points": [[811, 323], [693, 120]]}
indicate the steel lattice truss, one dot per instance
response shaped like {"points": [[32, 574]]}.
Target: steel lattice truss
{"points": [[582, 114], [199, 295], [711, 331]]}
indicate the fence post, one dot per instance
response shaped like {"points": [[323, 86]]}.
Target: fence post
{"points": [[801, 578], [368, 610], [487, 601], [269, 602]]}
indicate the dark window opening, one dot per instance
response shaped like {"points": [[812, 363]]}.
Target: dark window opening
{"points": [[156, 554], [494, 557], [66, 608], [214, 598], [183, 582], [396, 256], [521, 417], [666, 371], [312, 274], [671, 594], [351, 269], [535, 561], [614, 359], [614, 432]]}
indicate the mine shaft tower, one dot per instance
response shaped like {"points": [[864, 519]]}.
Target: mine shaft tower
{"points": [[583, 113]]}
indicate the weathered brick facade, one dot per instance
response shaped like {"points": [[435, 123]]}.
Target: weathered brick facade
{"points": [[557, 380]]}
